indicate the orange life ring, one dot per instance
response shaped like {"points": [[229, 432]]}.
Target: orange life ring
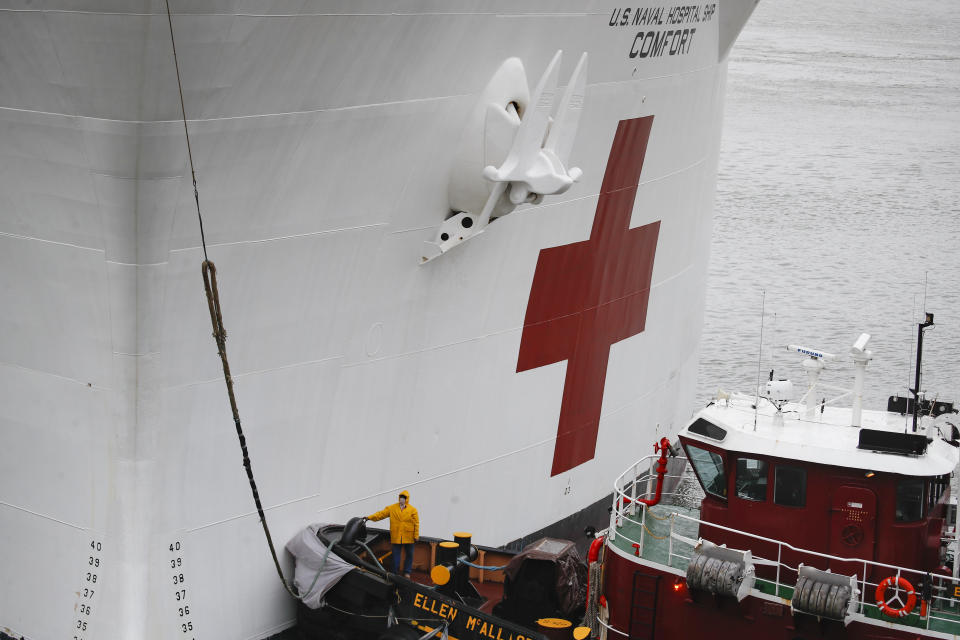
{"points": [[902, 583]]}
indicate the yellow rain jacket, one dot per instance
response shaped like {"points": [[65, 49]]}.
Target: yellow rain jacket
{"points": [[404, 523]]}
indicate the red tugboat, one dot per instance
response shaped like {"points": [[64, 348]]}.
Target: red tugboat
{"points": [[816, 522]]}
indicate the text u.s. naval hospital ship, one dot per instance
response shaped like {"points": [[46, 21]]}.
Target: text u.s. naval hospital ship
{"points": [[451, 259]]}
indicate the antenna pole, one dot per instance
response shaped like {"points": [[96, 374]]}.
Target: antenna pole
{"points": [[921, 327], [756, 403]]}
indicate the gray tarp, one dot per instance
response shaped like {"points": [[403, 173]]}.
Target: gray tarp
{"points": [[314, 576]]}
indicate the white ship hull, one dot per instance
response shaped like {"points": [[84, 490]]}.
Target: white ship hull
{"points": [[323, 138]]}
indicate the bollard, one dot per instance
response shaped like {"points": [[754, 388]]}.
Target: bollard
{"points": [[555, 628], [451, 575], [446, 561], [463, 541]]}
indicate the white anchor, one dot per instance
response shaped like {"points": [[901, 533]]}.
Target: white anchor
{"points": [[536, 165]]}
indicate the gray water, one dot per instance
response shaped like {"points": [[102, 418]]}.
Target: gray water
{"points": [[839, 196]]}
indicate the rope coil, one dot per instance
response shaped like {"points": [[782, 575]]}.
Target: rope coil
{"points": [[656, 517], [653, 535]]}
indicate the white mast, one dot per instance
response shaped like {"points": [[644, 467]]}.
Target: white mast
{"points": [[861, 356]]}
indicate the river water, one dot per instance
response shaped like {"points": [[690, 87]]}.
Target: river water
{"points": [[838, 205]]}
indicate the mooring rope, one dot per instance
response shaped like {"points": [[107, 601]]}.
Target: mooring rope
{"points": [[220, 335], [216, 319], [183, 113], [482, 568]]}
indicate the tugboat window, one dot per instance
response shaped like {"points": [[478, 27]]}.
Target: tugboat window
{"points": [[790, 486], [910, 500], [709, 469], [752, 479], [708, 429]]}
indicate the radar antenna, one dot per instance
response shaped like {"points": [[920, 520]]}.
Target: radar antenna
{"points": [[813, 364]]}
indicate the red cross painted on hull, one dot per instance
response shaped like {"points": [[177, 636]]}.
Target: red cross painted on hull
{"points": [[588, 295]]}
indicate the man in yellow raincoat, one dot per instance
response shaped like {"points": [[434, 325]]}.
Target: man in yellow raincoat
{"points": [[404, 530]]}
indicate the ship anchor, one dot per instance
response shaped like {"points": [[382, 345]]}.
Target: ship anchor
{"points": [[536, 164]]}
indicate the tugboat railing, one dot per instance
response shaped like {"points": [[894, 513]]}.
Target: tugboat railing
{"points": [[636, 477], [625, 500]]}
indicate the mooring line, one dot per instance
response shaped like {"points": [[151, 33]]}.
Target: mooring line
{"points": [[219, 332]]}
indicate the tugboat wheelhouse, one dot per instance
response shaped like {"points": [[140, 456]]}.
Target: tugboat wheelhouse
{"points": [[815, 521]]}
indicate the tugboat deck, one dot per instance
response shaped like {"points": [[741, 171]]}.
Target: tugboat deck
{"points": [[653, 535]]}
